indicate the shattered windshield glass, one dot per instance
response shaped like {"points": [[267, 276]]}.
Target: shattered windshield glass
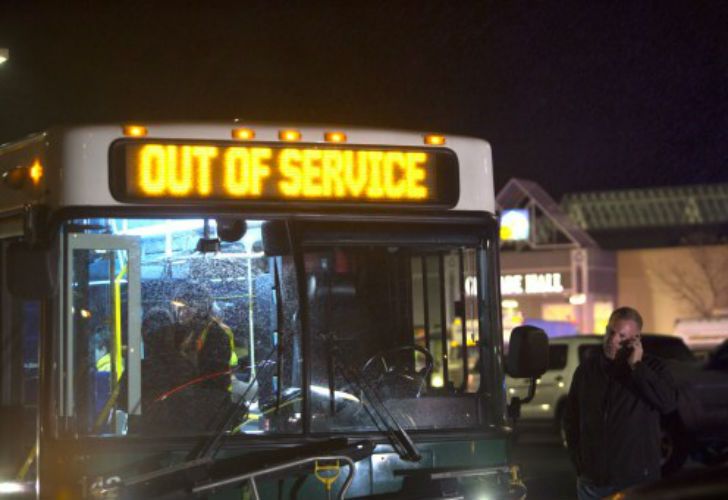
{"points": [[169, 324]]}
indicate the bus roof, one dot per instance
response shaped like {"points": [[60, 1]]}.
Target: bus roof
{"points": [[69, 167]]}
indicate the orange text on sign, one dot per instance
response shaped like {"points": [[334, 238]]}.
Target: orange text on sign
{"points": [[290, 173]]}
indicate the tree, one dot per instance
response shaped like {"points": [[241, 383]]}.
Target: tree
{"points": [[701, 280]]}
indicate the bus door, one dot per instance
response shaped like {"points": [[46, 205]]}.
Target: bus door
{"points": [[101, 358]]}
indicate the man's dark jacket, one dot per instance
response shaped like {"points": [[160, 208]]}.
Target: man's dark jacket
{"points": [[613, 419]]}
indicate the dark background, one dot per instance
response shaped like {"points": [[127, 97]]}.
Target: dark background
{"points": [[575, 95]]}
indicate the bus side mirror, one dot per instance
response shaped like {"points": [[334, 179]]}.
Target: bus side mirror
{"points": [[528, 352], [528, 357], [31, 272]]}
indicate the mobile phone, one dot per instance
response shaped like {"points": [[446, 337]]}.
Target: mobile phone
{"points": [[625, 349]]}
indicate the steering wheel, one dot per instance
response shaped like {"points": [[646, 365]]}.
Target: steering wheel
{"points": [[386, 371]]}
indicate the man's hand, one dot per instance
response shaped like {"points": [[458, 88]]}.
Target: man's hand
{"points": [[637, 352]]}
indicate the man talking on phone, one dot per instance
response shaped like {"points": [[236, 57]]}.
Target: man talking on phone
{"points": [[613, 411]]}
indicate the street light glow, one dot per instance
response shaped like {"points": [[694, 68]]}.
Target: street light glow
{"points": [[4, 55]]}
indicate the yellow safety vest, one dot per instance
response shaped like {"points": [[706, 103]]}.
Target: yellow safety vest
{"points": [[103, 364], [231, 337]]}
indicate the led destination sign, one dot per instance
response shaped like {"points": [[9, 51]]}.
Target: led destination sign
{"points": [[228, 171]]}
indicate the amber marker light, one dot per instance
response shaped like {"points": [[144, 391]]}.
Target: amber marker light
{"points": [[435, 139], [289, 135], [243, 134], [35, 172], [15, 177], [135, 131], [335, 137]]}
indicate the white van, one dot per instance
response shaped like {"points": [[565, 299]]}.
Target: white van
{"points": [[565, 354], [702, 334]]}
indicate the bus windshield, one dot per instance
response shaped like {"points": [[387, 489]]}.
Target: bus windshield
{"points": [[297, 328]]}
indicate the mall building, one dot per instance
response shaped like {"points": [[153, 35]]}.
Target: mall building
{"points": [[664, 251]]}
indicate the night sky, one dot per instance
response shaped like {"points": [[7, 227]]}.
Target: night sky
{"points": [[574, 95]]}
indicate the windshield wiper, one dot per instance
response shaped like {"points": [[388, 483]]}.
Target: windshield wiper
{"points": [[399, 438], [209, 446], [377, 410], [198, 477], [233, 471], [197, 462]]}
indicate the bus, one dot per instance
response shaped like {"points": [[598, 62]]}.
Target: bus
{"points": [[211, 310]]}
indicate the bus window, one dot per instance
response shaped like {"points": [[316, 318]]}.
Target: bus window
{"points": [[557, 357], [27, 321], [427, 312], [99, 318], [371, 311], [463, 337], [164, 337], [439, 316], [19, 338]]}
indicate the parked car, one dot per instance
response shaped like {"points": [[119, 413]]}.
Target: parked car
{"points": [[669, 348], [700, 427], [718, 358]]}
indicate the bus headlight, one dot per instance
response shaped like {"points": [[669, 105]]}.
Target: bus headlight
{"points": [[15, 488]]}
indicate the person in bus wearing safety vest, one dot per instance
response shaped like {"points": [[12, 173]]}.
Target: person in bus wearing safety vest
{"points": [[193, 306]]}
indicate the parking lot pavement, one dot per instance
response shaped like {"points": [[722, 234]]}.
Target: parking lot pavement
{"points": [[545, 466]]}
